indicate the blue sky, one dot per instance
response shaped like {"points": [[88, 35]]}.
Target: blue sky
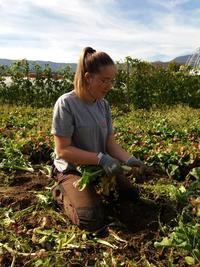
{"points": [[57, 30]]}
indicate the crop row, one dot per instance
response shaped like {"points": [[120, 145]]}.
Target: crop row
{"points": [[167, 140]]}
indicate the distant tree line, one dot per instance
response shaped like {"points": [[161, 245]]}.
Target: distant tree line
{"points": [[137, 83]]}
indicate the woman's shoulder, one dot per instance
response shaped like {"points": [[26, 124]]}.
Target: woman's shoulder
{"points": [[66, 98], [103, 102]]}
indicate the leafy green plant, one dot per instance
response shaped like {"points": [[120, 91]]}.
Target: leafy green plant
{"points": [[96, 175], [11, 158], [90, 174], [186, 235]]}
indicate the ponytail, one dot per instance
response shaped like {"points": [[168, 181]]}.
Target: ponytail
{"points": [[90, 61]]}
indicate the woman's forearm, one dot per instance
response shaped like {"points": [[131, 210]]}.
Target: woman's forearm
{"points": [[78, 156], [116, 151]]}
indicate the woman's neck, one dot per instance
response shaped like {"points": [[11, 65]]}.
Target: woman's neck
{"points": [[88, 97]]}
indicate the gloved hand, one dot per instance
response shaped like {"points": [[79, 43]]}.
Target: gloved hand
{"points": [[111, 166], [133, 162]]}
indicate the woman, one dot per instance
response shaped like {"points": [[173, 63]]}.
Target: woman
{"points": [[83, 135]]}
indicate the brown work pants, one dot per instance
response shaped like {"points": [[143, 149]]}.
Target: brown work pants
{"points": [[85, 208]]}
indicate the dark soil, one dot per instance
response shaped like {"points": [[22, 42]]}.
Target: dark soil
{"points": [[20, 192], [139, 222]]}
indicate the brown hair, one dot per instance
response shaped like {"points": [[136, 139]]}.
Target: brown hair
{"points": [[90, 61]]}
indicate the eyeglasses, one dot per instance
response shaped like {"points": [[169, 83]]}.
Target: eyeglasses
{"points": [[106, 81]]}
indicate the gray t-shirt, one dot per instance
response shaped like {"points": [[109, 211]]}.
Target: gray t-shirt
{"points": [[88, 125]]}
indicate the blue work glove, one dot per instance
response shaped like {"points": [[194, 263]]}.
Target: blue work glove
{"points": [[133, 162], [111, 166]]}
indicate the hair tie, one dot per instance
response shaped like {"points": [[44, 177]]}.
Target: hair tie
{"points": [[89, 50]]}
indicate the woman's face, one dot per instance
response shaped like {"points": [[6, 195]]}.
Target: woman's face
{"points": [[99, 84]]}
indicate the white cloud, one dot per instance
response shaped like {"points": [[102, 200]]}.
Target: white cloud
{"points": [[57, 30], [169, 4]]}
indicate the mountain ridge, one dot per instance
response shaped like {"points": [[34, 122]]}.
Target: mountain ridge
{"points": [[55, 66]]}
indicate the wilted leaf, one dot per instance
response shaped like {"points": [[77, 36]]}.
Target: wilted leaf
{"points": [[104, 242]]}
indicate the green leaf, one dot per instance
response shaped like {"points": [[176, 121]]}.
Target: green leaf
{"points": [[189, 260], [173, 169], [89, 175], [166, 242], [195, 173]]}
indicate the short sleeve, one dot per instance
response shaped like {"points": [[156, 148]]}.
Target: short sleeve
{"points": [[109, 118], [62, 122]]}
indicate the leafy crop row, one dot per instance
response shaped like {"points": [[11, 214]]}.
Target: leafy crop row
{"points": [[34, 233]]}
